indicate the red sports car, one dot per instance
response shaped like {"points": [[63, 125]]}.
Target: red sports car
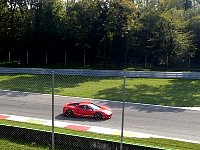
{"points": [[86, 109]]}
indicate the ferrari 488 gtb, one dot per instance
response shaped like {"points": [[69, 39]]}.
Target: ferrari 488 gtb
{"points": [[86, 109]]}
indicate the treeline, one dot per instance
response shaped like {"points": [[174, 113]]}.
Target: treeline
{"points": [[122, 32]]}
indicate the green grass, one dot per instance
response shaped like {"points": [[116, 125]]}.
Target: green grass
{"points": [[170, 92], [13, 144], [150, 142], [19, 144]]}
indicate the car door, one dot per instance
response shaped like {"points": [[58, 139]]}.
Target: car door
{"points": [[84, 110], [89, 111]]}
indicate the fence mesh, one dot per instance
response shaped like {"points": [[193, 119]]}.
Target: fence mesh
{"points": [[153, 108]]}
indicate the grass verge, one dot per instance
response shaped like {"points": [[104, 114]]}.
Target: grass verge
{"points": [[152, 142], [13, 144], [168, 92]]}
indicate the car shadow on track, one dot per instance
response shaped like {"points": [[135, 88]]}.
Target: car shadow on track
{"points": [[82, 119]]}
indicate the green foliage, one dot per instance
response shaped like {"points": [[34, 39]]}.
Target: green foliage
{"points": [[166, 32], [105, 31]]}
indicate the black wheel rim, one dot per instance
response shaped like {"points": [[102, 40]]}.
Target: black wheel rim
{"points": [[69, 113], [98, 116]]}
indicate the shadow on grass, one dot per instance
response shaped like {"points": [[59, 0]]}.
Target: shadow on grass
{"points": [[43, 83], [178, 93], [26, 83]]}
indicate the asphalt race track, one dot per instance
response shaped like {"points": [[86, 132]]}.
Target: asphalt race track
{"points": [[156, 120]]}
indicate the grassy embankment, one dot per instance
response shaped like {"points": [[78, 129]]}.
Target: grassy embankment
{"points": [[171, 92]]}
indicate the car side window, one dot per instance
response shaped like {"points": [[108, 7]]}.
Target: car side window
{"points": [[87, 107], [82, 106]]}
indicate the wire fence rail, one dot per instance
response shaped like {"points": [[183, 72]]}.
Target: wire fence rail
{"points": [[111, 88], [104, 73]]}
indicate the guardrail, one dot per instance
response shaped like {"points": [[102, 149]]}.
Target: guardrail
{"points": [[103, 73]]}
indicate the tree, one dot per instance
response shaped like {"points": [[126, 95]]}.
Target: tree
{"points": [[166, 35]]}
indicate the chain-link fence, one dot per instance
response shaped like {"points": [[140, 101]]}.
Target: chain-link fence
{"points": [[147, 107]]}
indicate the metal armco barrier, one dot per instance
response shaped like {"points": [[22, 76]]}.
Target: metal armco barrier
{"points": [[104, 73]]}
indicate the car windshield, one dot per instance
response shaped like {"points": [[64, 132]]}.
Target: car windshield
{"points": [[94, 107]]}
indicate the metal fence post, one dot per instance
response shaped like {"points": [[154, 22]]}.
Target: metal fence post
{"points": [[122, 129], [52, 110]]}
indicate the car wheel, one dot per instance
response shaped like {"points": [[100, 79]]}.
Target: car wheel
{"points": [[97, 116], [69, 113]]}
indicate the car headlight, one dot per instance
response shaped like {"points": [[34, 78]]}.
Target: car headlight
{"points": [[106, 112]]}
